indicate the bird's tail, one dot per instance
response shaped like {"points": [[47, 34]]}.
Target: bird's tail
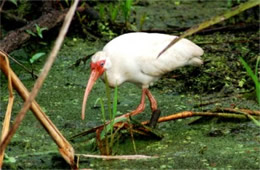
{"points": [[195, 61]]}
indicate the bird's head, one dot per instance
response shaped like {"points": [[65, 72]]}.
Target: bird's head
{"points": [[99, 64]]}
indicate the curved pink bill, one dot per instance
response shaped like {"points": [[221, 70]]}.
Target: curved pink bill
{"points": [[91, 81]]}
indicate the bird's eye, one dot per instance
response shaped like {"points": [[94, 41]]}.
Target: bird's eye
{"points": [[102, 64]]}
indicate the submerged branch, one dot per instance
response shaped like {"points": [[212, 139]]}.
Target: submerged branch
{"points": [[186, 114]]}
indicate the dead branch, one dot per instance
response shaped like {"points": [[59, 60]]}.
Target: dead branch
{"points": [[253, 112], [127, 157], [35, 108], [6, 123], [50, 19], [187, 114], [181, 115], [67, 154]]}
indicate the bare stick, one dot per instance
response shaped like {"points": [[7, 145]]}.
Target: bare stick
{"points": [[42, 77], [128, 157], [65, 148], [186, 114], [252, 112], [8, 112]]}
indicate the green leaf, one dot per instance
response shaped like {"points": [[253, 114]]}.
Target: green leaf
{"points": [[102, 109], [110, 126], [253, 76], [102, 12], [36, 57], [8, 159], [67, 2], [39, 30], [254, 120], [43, 43], [108, 97], [113, 10], [14, 2], [177, 3], [31, 33], [115, 104], [256, 66], [43, 29], [126, 7]]}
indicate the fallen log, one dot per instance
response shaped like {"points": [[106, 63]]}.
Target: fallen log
{"points": [[14, 39]]}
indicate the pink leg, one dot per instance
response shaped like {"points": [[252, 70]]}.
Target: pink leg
{"points": [[153, 102], [141, 106]]}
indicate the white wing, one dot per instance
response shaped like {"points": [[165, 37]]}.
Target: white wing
{"points": [[137, 52]]}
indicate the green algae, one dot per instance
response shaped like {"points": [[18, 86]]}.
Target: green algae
{"points": [[208, 144]]}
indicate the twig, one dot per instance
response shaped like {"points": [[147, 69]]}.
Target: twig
{"points": [[26, 69], [246, 112], [127, 157], [209, 102], [187, 114], [42, 77], [7, 118], [240, 111]]}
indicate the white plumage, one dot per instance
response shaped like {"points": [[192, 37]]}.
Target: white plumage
{"points": [[132, 57]]}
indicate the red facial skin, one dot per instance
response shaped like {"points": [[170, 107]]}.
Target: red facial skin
{"points": [[97, 69], [98, 66]]}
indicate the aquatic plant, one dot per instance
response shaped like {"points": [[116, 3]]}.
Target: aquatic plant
{"points": [[39, 31], [113, 12], [108, 134], [126, 7], [253, 75]]}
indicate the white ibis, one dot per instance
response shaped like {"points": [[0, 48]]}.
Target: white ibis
{"points": [[132, 57]]}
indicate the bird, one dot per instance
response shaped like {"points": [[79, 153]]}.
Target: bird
{"points": [[133, 57]]}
